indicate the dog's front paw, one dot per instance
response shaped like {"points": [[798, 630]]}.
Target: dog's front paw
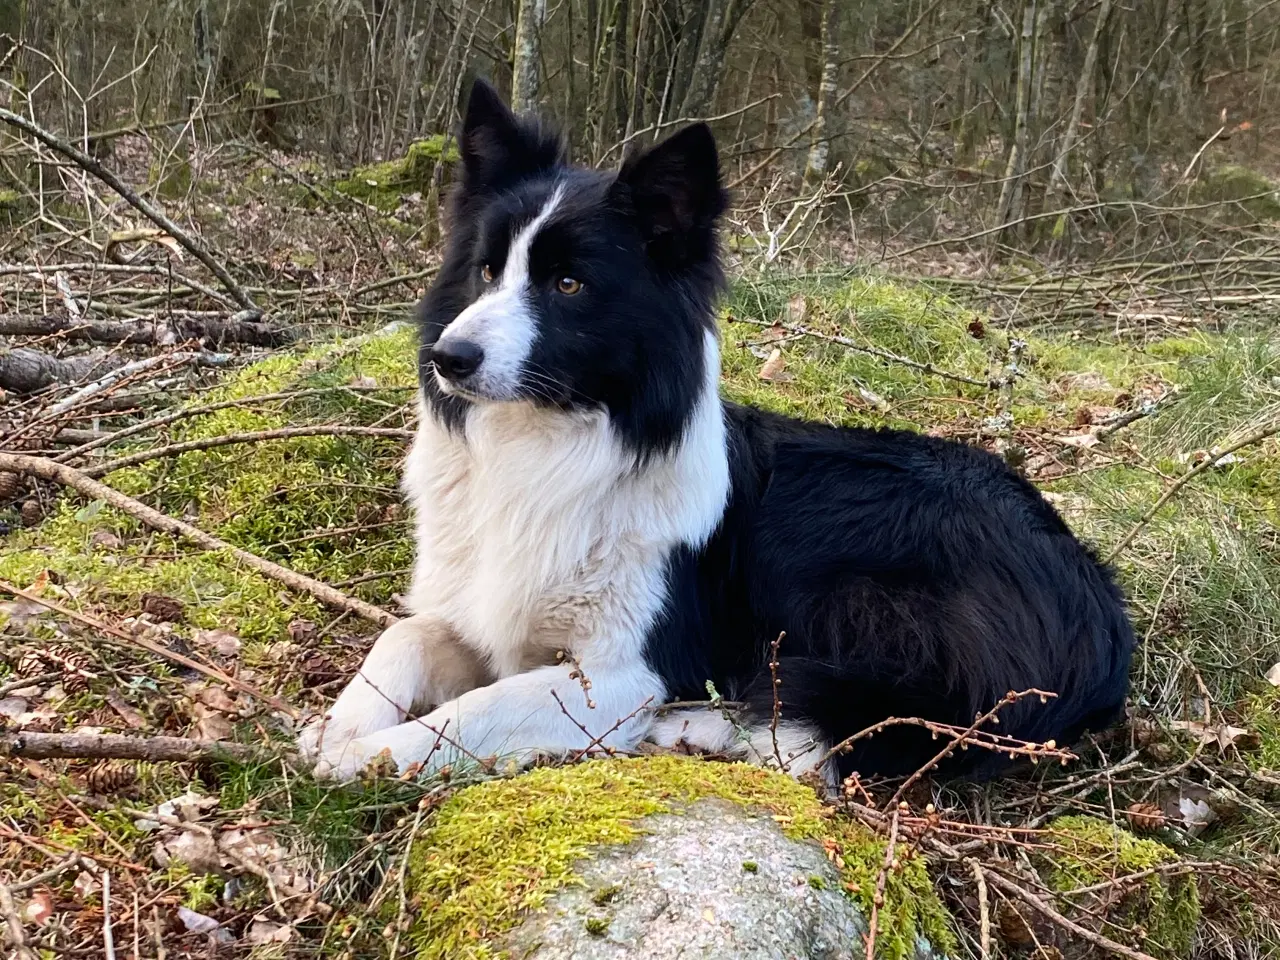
{"points": [[327, 741]]}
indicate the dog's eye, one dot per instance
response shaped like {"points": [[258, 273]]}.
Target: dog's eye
{"points": [[568, 286], [486, 273]]}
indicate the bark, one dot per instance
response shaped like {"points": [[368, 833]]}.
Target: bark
{"points": [[820, 146], [110, 746], [811, 15], [527, 67], [1058, 177], [1011, 188], [722, 20], [149, 333], [26, 371]]}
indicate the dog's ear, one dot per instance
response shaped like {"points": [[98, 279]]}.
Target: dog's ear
{"points": [[498, 147], [673, 190]]}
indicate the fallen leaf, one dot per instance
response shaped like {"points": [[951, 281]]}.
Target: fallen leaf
{"points": [[165, 609], [709, 915], [105, 539], [199, 923], [1273, 675], [222, 642], [217, 698], [198, 852], [86, 885], [267, 931], [1223, 734], [210, 724], [128, 714], [977, 329], [775, 368], [797, 308], [189, 806], [39, 909], [303, 631], [1081, 441], [1196, 815], [877, 401], [170, 244]]}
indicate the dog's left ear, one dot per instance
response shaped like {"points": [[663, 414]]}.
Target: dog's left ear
{"points": [[674, 190]]}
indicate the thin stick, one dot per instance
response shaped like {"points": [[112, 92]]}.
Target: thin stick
{"points": [[110, 379], [928, 368], [777, 702], [113, 746], [1009, 698], [1208, 463], [881, 880], [68, 476], [14, 923], [230, 439], [90, 165], [1031, 900], [984, 910], [108, 940], [7, 688]]}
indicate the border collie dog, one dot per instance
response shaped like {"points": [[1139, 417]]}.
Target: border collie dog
{"points": [[599, 534]]}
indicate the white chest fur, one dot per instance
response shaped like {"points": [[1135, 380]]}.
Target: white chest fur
{"points": [[537, 533]]}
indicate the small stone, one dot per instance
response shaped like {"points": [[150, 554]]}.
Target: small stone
{"points": [[32, 512]]}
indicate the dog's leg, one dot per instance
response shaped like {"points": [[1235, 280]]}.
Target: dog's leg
{"points": [[415, 663], [518, 718]]}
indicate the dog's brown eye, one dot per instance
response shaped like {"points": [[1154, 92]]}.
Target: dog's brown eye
{"points": [[568, 286], [486, 274]]}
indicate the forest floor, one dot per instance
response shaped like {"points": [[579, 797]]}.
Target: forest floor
{"points": [[1154, 439]]}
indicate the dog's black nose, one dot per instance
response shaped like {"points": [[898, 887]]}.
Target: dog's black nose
{"points": [[457, 359]]}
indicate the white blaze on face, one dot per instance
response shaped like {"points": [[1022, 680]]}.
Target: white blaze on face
{"points": [[501, 322]]}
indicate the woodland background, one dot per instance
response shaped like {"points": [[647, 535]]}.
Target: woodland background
{"points": [[1048, 228]]}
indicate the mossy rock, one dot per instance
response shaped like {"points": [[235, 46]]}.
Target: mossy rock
{"points": [[1157, 914], [1231, 183], [385, 184], [646, 857]]}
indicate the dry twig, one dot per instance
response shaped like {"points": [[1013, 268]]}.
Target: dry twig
{"points": [[112, 746]]}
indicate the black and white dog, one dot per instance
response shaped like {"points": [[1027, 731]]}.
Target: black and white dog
{"points": [[580, 489]]}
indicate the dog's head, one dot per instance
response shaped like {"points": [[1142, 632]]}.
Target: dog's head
{"points": [[572, 288]]}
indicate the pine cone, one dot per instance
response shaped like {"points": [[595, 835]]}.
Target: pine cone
{"points": [[111, 776], [76, 672], [164, 609], [31, 664], [32, 512], [1145, 817], [10, 485]]}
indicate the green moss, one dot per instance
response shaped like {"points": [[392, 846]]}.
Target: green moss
{"points": [[171, 178], [1158, 915], [1262, 716], [501, 848], [750, 866], [597, 926], [262, 497], [384, 184], [1255, 192], [605, 894]]}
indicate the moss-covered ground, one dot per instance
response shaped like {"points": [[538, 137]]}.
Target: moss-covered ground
{"points": [[1203, 576]]}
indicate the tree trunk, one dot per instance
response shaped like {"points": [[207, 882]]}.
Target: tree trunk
{"points": [[527, 62], [718, 29], [1058, 177], [811, 22], [820, 147], [1013, 170]]}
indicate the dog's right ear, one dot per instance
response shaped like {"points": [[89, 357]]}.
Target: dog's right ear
{"points": [[499, 148]]}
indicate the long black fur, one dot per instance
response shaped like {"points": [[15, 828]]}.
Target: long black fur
{"points": [[912, 576]]}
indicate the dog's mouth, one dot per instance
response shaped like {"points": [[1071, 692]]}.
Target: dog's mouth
{"points": [[468, 390]]}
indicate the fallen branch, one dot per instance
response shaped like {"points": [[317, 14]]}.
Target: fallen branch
{"points": [[929, 368], [112, 746], [90, 165], [877, 899], [229, 439], [23, 370], [134, 367], [1208, 463], [1043, 908], [47, 469], [149, 332]]}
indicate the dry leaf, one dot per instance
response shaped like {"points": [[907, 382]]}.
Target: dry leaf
{"points": [[217, 698], [267, 931], [1081, 441], [223, 643], [1273, 675], [1223, 734], [165, 609], [170, 244], [39, 909], [105, 539], [128, 714], [797, 308], [775, 368], [877, 401], [86, 885], [211, 724], [198, 851], [1196, 815], [199, 923]]}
